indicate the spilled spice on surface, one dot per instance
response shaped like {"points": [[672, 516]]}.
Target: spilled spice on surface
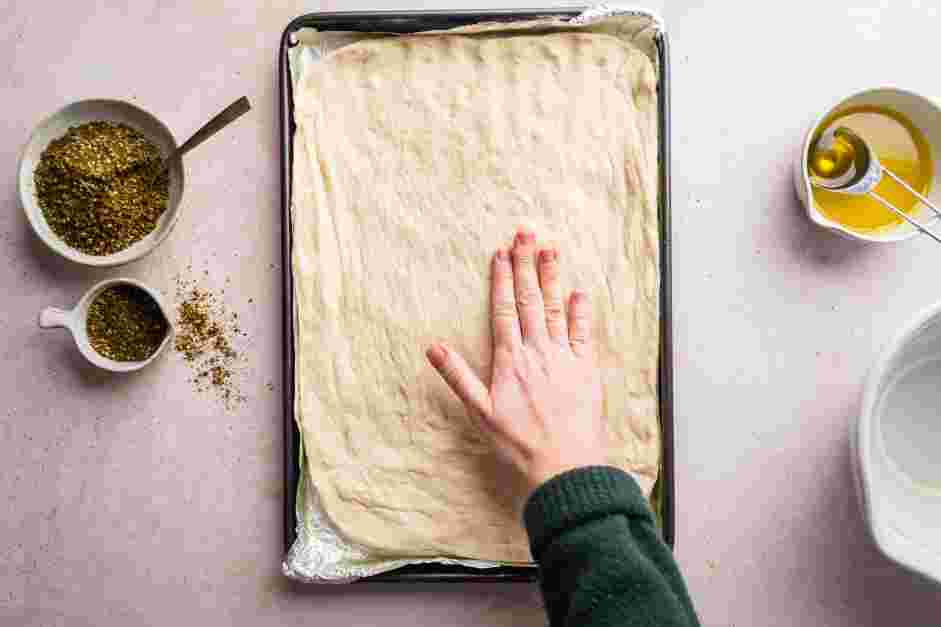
{"points": [[97, 187], [125, 324], [206, 329]]}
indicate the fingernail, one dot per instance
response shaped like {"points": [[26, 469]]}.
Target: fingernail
{"points": [[525, 236], [436, 354], [579, 295]]}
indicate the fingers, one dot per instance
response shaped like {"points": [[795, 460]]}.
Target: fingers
{"points": [[579, 321], [460, 378], [532, 314], [506, 325], [552, 295]]}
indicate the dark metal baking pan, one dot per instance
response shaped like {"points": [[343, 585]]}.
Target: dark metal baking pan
{"points": [[414, 21]]}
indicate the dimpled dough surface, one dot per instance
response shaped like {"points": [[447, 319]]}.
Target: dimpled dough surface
{"points": [[416, 157]]}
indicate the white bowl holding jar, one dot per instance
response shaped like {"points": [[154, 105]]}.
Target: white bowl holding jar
{"points": [[57, 125]]}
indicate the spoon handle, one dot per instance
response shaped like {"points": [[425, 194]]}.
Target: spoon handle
{"points": [[885, 203], [898, 180], [225, 117]]}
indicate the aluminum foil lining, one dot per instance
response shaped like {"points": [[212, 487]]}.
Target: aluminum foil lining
{"points": [[320, 554]]}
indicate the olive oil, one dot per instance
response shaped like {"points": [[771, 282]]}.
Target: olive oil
{"points": [[900, 147]]}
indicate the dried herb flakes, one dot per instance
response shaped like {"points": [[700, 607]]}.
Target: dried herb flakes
{"points": [[205, 330], [97, 189], [125, 324]]}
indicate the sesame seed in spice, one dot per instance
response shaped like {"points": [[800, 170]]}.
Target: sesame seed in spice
{"points": [[97, 187], [206, 329]]}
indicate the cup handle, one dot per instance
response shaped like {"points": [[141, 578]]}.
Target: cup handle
{"points": [[54, 318]]}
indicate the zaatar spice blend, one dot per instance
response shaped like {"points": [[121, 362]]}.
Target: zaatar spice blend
{"points": [[205, 332], [96, 187], [125, 324]]}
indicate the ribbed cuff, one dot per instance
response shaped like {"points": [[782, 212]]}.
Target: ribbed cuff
{"points": [[579, 496]]}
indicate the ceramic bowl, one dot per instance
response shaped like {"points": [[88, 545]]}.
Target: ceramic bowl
{"points": [[76, 321], [923, 113], [896, 444], [55, 126]]}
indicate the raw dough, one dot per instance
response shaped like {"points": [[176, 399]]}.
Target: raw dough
{"points": [[415, 158]]}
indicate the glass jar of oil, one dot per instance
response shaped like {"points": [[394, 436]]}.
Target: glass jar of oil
{"points": [[900, 147]]}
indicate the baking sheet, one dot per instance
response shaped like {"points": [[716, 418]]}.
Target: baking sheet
{"points": [[322, 555]]}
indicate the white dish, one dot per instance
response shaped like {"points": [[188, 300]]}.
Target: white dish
{"points": [[923, 113], [55, 126], [897, 447], [76, 321]]}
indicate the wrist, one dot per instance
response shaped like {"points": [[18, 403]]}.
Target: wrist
{"points": [[584, 494], [541, 472]]}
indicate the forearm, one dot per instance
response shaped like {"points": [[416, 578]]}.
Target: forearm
{"points": [[601, 559]]}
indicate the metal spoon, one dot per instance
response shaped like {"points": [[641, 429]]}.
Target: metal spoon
{"points": [[863, 174], [225, 117]]}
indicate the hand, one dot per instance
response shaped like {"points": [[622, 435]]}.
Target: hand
{"points": [[543, 407]]}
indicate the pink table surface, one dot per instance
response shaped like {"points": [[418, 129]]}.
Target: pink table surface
{"points": [[132, 500]]}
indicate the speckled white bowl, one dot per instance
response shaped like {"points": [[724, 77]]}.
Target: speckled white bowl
{"points": [[55, 126], [75, 320], [923, 113]]}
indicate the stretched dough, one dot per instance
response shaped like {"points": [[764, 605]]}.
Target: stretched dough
{"points": [[416, 157]]}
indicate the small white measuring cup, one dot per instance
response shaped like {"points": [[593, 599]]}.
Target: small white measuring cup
{"points": [[76, 321]]}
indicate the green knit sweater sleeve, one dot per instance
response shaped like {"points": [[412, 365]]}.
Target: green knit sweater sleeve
{"points": [[601, 559]]}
